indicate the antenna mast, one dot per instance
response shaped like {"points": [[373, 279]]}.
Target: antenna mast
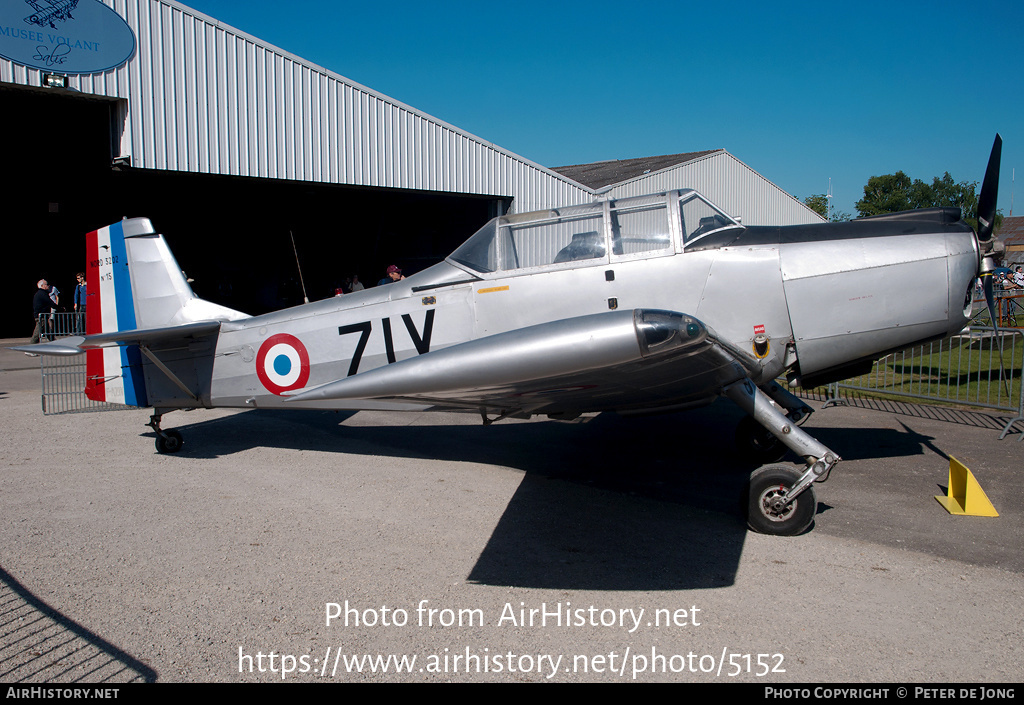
{"points": [[299, 266], [828, 202]]}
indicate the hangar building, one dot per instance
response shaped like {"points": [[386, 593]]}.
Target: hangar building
{"points": [[236, 149], [1012, 235]]}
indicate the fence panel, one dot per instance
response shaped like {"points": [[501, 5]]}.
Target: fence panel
{"points": [[981, 367], [1009, 308], [61, 324], [64, 376]]}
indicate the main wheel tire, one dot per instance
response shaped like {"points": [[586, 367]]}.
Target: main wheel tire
{"points": [[170, 442], [757, 443], [768, 484]]}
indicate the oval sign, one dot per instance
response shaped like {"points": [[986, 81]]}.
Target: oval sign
{"points": [[64, 36]]}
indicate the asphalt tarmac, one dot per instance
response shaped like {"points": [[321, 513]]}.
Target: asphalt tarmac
{"points": [[386, 547]]}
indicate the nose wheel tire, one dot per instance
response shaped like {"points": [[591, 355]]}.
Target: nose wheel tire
{"points": [[169, 442], [766, 512]]}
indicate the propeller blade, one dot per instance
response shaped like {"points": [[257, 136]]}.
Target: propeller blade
{"points": [[990, 299], [989, 193]]}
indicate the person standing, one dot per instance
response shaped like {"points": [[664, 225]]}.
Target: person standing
{"points": [[42, 306], [53, 322], [356, 284], [80, 304]]}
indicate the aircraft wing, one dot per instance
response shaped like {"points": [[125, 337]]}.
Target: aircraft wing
{"points": [[621, 360]]}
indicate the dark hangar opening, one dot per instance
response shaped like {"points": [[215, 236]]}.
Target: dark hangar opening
{"points": [[231, 235]]}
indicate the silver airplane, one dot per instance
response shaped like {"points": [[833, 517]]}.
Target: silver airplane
{"points": [[634, 305]]}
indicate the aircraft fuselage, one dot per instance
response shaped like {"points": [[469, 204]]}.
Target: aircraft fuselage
{"points": [[802, 299]]}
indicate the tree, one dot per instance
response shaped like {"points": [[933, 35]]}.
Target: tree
{"points": [[819, 204], [892, 193]]}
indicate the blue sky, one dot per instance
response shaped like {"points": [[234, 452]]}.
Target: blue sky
{"points": [[799, 91]]}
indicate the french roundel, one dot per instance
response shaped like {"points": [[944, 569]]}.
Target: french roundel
{"points": [[282, 364]]}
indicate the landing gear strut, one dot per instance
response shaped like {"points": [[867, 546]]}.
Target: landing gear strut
{"points": [[166, 441], [755, 442], [780, 499]]}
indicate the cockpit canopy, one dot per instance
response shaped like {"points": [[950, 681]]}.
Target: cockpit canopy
{"points": [[625, 228]]}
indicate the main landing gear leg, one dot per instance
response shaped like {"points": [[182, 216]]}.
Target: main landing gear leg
{"points": [[755, 441], [166, 441], [781, 501], [796, 409]]}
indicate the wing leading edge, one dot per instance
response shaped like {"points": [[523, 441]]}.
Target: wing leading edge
{"points": [[618, 360]]}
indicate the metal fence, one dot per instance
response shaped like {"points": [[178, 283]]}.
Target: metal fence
{"points": [[1009, 308], [64, 376], [61, 324], [980, 368]]}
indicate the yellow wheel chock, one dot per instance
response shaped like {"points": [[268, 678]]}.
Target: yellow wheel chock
{"points": [[965, 496]]}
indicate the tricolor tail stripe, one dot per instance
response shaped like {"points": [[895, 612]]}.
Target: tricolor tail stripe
{"points": [[112, 374]]}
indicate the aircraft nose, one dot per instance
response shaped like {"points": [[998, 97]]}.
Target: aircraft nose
{"points": [[965, 265]]}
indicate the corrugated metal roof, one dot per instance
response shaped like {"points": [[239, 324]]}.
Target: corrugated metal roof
{"points": [[728, 182], [600, 174], [1012, 229], [1012, 234]]}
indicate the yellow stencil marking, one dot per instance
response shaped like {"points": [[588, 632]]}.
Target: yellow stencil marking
{"points": [[492, 289]]}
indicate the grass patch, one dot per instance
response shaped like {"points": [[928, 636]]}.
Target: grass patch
{"points": [[963, 370]]}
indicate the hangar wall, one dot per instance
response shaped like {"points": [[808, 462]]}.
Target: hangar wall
{"points": [[729, 183], [256, 144], [198, 96]]}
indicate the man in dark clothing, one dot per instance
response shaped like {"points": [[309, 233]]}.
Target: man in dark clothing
{"points": [[41, 305], [80, 293]]}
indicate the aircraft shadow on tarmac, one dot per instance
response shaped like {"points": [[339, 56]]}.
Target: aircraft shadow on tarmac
{"points": [[51, 648], [870, 443], [607, 503]]}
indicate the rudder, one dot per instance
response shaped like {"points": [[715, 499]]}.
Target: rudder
{"points": [[113, 374], [134, 283]]}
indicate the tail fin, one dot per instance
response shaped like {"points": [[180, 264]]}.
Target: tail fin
{"points": [[134, 283]]}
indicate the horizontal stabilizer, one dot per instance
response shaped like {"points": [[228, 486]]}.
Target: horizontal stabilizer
{"points": [[77, 344], [64, 346], [150, 335]]}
